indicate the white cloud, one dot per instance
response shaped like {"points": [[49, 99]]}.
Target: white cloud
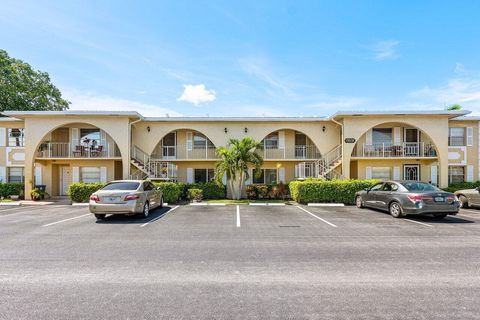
{"points": [[197, 94], [385, 50], [89, 101], [463, 89]]}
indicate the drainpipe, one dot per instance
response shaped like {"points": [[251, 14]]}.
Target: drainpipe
{"points": [[131, 140]]}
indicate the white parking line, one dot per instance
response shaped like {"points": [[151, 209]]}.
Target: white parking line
{"points": [[163, 215], [64, 220], [423, 224], [323, 220], [238, 216]]}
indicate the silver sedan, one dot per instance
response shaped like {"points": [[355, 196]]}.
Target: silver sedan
{"points": [[469, 197], [126, 197], [400, 198]]}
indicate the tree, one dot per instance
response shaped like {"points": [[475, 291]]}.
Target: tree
{"points": [[235, 161], [24, 89], [454, 107]]}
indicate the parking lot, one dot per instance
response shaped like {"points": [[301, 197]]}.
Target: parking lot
{"points": [[254, 262]]}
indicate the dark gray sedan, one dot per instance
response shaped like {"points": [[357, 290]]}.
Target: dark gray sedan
{"points": [[400, 198]]}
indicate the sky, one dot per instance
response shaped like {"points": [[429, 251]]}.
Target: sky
{"points": [[251, 58]]}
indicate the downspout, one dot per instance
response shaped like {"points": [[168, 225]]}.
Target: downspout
{"points": [[130, 144]]}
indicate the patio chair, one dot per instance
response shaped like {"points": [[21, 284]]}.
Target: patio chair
{"points": [[78, 152], [96, 152]]}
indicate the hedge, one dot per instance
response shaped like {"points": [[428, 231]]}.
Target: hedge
{"points": [[462, 185], [338, 191], [11, 189], [210, 190], [172, 191], [81, 192], [267, 191]]}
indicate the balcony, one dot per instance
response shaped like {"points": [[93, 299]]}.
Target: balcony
{"points": [[298, 152], [403, 150], [181, 153], [66, 150]]}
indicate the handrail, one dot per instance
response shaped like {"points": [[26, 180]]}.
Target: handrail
{"points": [[389, 150], [71, 150]]}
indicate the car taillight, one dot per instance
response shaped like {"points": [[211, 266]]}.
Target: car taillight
{"points": [[452, 198], [131, 197], [95, 198], [416, 197]]}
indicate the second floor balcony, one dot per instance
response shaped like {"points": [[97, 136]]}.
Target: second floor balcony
{"points": [[402, 150], [70, 150], [182, 153], [296, 152]]}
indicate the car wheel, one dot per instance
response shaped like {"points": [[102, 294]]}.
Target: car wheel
{"points": [[359, 202], [146, 210], [161, 203], [100, 216], [439, 216], [396, 210], [463, 202]]}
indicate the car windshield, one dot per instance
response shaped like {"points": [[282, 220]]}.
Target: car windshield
{"points": [[121, 186], [419, 187]]}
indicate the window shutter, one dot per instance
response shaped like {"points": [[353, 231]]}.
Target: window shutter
{"points": [[469, 173], [281, 174], [397, 138], [189, 175], [368, 137], [38, 175], [396, 173], [3, 174], [103, 174], [189, 141], [75, 137], [368, 173], [434, 175], [75, 174], [469, 136], [281, 139], [3, 137]]}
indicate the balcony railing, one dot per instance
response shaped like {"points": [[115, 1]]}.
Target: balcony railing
{"points": [[406, 149], [69, 150], [162, 170], [294, 152], [180, 153]]}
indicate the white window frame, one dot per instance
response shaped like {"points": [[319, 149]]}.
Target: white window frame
{"points": [[22, 179], [99, 180], [451, 174], [377, 177], [21, 137]]}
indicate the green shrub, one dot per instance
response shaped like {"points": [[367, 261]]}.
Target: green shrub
{"points": [[38, 194], [338, 191], [195, 194], [81, 192], [266, 191], [462, 185], [210, 190], [172, 191], [11, 188]]}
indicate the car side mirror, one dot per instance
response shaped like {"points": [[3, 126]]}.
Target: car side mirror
{"points": [[367, 189]]}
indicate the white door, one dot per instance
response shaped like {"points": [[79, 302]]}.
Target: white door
{"points": [[64, 177], [411, 172]]}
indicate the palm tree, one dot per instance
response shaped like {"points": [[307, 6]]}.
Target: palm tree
{"points": [[234, 163]]}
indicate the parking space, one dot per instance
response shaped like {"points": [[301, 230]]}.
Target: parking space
{"points": [[217, 260]]}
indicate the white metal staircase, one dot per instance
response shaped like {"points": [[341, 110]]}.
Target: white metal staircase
{"points": [[151, 168], [322, 168]]}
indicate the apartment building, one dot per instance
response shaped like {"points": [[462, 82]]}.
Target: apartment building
{"points": [[56, 149]]}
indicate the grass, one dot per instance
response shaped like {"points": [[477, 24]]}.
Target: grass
{"points": [[6, 200], [245, 201]]}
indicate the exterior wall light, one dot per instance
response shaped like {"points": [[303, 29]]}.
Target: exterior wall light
{"points": [[148, 128], [226, 130], [246, 130], [324, 128]]}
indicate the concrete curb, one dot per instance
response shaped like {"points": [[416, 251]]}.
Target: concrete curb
{"points": [[326, 205], [10, 204], [207, 204], [79, 204]]}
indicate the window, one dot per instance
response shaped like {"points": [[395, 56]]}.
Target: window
{"points": [[381, 173], [89, 135], [456, 136], [15, 174], [390, 187], [382, 135], [377, 187], [204, 175], [201, 142], [271, 141], [90, 174], [122, 186], [419, 187], [16, 137], [267, 176], [456, 174], [148, 186]]}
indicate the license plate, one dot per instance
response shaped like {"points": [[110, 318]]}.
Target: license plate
{"points": [[111, 199], [439, 199]]}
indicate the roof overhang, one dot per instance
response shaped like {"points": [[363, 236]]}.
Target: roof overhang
{"points": [[236, 119], [439, 113], [29, 114]]}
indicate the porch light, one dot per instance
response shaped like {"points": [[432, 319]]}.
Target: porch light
{"points": [[324, 128], [226, 130], [148, 128], [246, 130]]}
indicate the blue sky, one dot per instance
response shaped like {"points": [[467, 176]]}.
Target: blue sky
{"points": [[251, 58]]}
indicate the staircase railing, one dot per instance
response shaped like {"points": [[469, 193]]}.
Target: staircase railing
{"points": [[325, 164]]}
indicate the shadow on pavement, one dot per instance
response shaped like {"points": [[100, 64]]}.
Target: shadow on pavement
{"points": [[135, 219]]}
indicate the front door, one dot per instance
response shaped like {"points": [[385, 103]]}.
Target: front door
{"points": [[411, 172], [64, 175]]}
